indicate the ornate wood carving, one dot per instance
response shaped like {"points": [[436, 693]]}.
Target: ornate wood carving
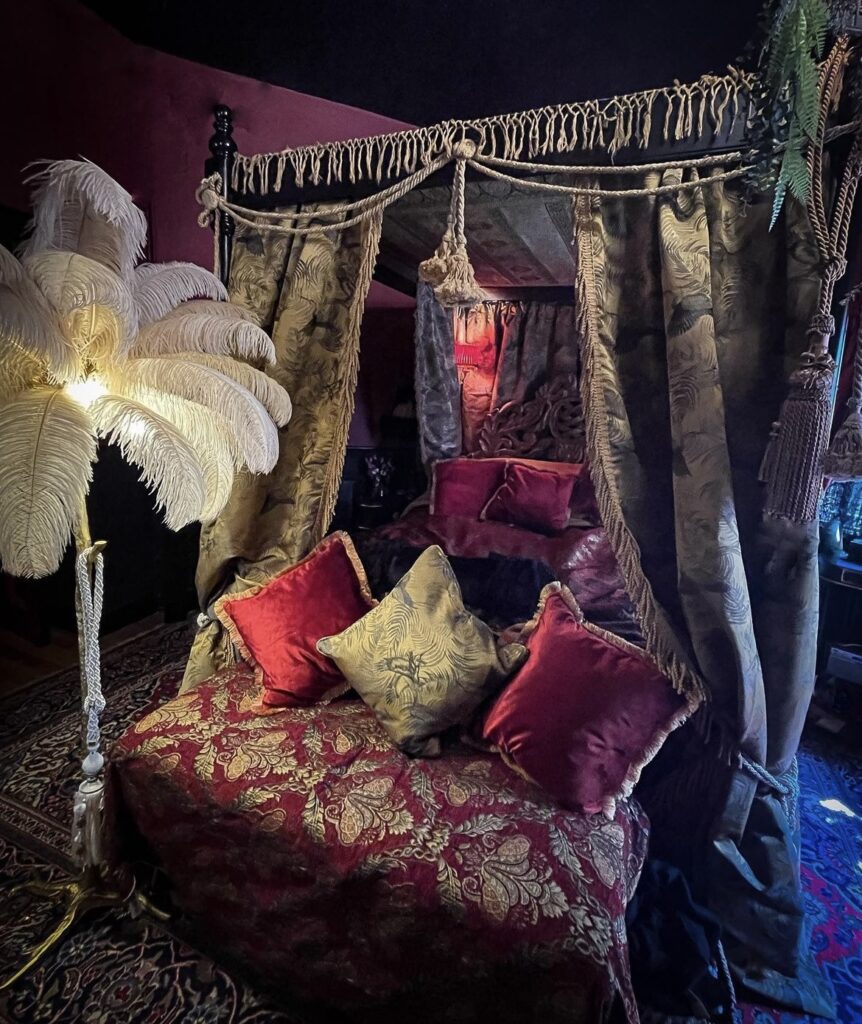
{"points": [[549, 426]]}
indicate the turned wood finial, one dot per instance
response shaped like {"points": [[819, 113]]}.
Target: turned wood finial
{"points": [[222, 145]]}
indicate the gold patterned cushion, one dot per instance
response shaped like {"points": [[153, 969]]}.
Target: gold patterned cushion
{"points": [[419, 659]]}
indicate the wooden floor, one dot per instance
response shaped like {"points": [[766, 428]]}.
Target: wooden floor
{"points": [[23, 663]]}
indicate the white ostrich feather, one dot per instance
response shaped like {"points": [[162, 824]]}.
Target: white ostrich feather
{"points": [[206, 333], [28, 323], [18, 369], [46, 452], [95, 304], [160, 287], [215, 307], [271, 395], [210, 436], [252, 431], [78, 207], [169, 465]]}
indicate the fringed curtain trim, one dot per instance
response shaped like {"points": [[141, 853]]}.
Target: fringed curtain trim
{"points": [[688, 112], [595, 383]]}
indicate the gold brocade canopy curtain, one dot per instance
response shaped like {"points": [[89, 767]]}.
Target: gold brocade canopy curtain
{"points": [[695, 313], [309, 292]]}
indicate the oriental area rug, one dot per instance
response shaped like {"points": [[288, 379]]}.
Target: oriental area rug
{"points": [[115, 968]]}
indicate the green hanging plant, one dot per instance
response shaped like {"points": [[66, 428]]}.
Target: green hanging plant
{"points": [[794, 45]]}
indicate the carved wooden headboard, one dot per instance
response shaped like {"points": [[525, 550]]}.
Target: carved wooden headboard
{"points": [[548, 426]]}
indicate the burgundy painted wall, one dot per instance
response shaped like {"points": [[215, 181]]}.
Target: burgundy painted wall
{"points": [[74, 86]]}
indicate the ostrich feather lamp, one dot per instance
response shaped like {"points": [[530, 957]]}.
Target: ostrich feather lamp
{"points": [[152, 357]]}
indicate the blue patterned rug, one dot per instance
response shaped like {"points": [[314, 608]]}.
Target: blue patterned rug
{"points": [[115, 969], [830, 783]]}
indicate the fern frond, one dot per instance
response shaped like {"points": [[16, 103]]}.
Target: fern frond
{"points": [[253, 432], [160, 287], [46, 452], [206, 333], [77, 207], [271, 395], [169, 464]]}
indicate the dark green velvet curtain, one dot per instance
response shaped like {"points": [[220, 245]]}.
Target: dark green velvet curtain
{"points": [[694, 315]]}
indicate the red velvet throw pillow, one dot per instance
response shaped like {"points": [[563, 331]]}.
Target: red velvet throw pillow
{"points": [[462, 487], [585, 713], [535, 498], [275, 626]]}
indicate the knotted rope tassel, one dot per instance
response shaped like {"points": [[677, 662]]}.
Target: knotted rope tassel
{"points": [[844, 459], [793, 464], [449, 270]]}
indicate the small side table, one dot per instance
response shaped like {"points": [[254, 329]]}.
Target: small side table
{"points": [[840, 605]]}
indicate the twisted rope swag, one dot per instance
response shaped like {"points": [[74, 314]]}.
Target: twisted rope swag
{"points": [[449, 269]]}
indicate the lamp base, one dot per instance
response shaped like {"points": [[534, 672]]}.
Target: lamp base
{"points": [[90, 891]]}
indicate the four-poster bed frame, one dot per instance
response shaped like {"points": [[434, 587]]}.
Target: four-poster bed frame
{"points": [[728, 138]]}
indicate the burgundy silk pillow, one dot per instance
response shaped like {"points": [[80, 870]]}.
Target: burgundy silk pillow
{"points": [[585, 713], [276, 625], [462, 487], [535, 498]]}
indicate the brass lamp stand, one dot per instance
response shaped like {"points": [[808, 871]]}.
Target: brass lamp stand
{"points": [[95, 887]]}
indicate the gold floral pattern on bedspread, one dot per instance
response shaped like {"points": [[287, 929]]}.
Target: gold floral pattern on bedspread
{"points": [[308, 847]]}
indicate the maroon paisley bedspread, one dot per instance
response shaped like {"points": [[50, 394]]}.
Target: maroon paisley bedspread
{"points": [[305, 847], [580, 558]]}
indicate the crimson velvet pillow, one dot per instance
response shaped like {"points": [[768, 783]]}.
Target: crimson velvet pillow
{"points": [[276, 626], [462, 487], [535, 498], [586, 712]]}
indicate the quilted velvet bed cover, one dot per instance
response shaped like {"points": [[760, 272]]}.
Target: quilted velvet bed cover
{"points": [[304, 847]]}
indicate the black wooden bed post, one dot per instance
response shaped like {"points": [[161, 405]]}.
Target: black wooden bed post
{"points": [[222, 146]]}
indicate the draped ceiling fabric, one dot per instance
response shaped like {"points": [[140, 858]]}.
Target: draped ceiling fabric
{"points": [[695, 313], [520, 346], [438, 398], [309, 292]]}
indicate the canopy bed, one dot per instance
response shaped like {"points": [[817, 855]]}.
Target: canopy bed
{"points": [[301, 840]]}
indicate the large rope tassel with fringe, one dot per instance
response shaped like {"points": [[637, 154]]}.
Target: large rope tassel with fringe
{"points": [[793, 464], [449, 271]]}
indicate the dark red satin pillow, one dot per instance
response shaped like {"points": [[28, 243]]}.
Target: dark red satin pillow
{"points": [[462, 487], [585, 713], [276, 626], [537, 499]]}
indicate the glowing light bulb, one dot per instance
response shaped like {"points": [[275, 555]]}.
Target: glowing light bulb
{"points": [[86, 391]]}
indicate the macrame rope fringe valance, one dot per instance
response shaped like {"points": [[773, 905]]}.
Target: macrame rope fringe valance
{"points": [[795, 458], [689, 111], [209, 196], [449, 270]]}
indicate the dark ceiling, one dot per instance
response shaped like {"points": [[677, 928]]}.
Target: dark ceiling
{"points": [[439, 59]]}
